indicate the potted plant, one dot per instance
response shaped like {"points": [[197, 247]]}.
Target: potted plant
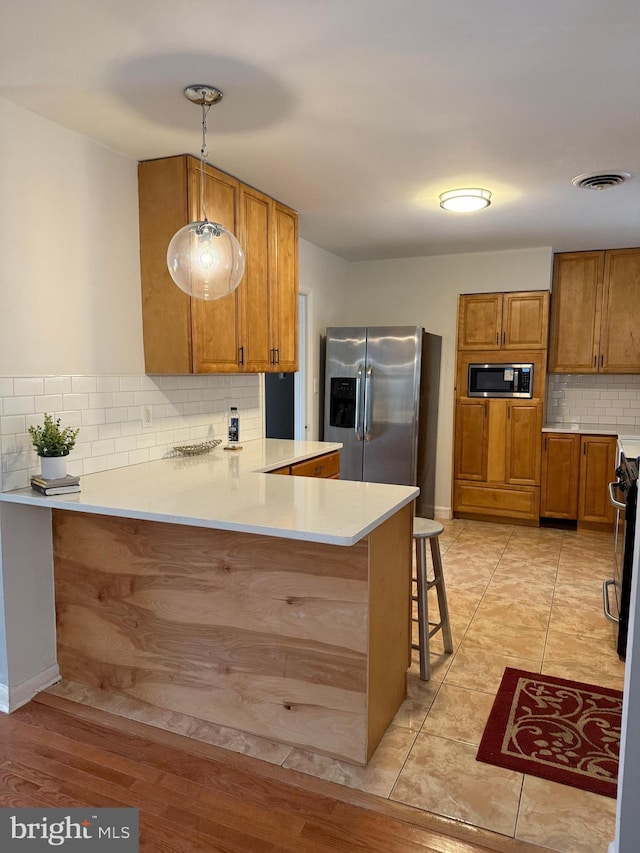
{"points": [[52, 444]]}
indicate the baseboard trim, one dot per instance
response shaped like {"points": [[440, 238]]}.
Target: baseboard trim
{"points": [[16, 695], [443, 512]]}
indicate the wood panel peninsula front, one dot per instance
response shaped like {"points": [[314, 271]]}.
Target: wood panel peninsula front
{"points": [[273, 605]]}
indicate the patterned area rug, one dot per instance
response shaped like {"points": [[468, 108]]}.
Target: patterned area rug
{"points": [[561, 730]]}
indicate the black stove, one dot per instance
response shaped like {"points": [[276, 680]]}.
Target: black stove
{"points": [[624, 496]]}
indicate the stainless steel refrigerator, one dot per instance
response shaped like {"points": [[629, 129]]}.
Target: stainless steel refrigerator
{"points": [[381, 402]]}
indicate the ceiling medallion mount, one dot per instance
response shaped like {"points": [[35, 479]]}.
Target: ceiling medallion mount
{"points": [[200, 93]]}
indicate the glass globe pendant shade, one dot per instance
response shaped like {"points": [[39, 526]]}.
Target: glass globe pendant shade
{"points": [[205, 260]]}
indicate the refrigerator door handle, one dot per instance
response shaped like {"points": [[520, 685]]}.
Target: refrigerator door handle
{"points": [[357, 416], [367, 403]]}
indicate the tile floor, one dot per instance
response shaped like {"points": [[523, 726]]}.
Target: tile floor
{"points": [[522, 597]]}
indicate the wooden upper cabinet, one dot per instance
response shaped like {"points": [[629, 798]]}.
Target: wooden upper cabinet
{"points": [[494, 321], [525, 320], [270, 294], [214, 352], [480, 321], [166, 310], [620, 338], [245, 330], [284, 293], [471, 440], [256, 218], [592, 329], [576, 308]]}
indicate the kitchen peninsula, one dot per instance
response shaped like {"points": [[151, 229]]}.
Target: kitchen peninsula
{"points": [[275, 605]]}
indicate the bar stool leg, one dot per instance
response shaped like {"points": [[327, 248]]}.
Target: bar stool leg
{"points": [[442, 594], [423, 610]]}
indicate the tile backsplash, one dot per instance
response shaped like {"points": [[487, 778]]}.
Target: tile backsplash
{"points": [[108, 410], [594, 399]]}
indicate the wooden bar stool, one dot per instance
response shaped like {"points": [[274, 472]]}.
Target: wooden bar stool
{"points": [[423, 529]]}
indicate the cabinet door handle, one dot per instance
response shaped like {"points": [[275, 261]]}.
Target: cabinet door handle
{"points": [[545, 442], [508, 413], [602, 360], [595, 361], [241, 355], [277, 352], [272, 356], [584, 449]]}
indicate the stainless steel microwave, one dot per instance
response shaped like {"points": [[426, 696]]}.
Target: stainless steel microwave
{"points": [[500, 380]]}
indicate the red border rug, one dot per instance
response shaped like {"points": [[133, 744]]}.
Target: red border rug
{"points": [[560, 730]]}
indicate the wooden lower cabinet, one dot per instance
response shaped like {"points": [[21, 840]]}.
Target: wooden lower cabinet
{"points": [[471, 444], [597, 469], [560, 475], [326, 466], [484, 499], [523, 443], [497, 458], [575, 472]]}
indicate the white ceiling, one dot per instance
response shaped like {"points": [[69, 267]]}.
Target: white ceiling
{"points": [[358, 113]]}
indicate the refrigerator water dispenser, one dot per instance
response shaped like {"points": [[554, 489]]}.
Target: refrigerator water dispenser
{"points": [[342, 408]]}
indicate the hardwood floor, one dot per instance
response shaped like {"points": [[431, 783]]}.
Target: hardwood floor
{"points": [[195, 797]]}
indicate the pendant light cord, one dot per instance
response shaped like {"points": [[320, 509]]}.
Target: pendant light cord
{"points": [[203, 155]]}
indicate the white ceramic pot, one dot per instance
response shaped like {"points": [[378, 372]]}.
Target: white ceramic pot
{"points": [[53, 467]]}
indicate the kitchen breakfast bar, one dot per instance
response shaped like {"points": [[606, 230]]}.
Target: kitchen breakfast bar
{"points": [[278, 606]]}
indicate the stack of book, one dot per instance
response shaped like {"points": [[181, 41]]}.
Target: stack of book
{"points": [[61, 486]]}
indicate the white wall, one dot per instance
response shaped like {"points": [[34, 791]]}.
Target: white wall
{"points": [[423, 291], [70, 275], [70, 311], [324, 279]]}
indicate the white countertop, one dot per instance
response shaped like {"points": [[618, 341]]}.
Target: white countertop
{"points": [[630, 446], [585, 429], [229, 491]]}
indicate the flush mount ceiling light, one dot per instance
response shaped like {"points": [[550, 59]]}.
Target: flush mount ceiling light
{"points": [[204, 258], [465, 200]]}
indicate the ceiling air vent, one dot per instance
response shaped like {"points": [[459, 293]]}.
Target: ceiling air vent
{"points": [[600, 180]]}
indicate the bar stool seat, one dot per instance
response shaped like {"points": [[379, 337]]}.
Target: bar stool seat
{"points": [[423, 529]]}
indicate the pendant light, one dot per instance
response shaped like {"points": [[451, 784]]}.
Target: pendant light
{"points": [[204, 258]]}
